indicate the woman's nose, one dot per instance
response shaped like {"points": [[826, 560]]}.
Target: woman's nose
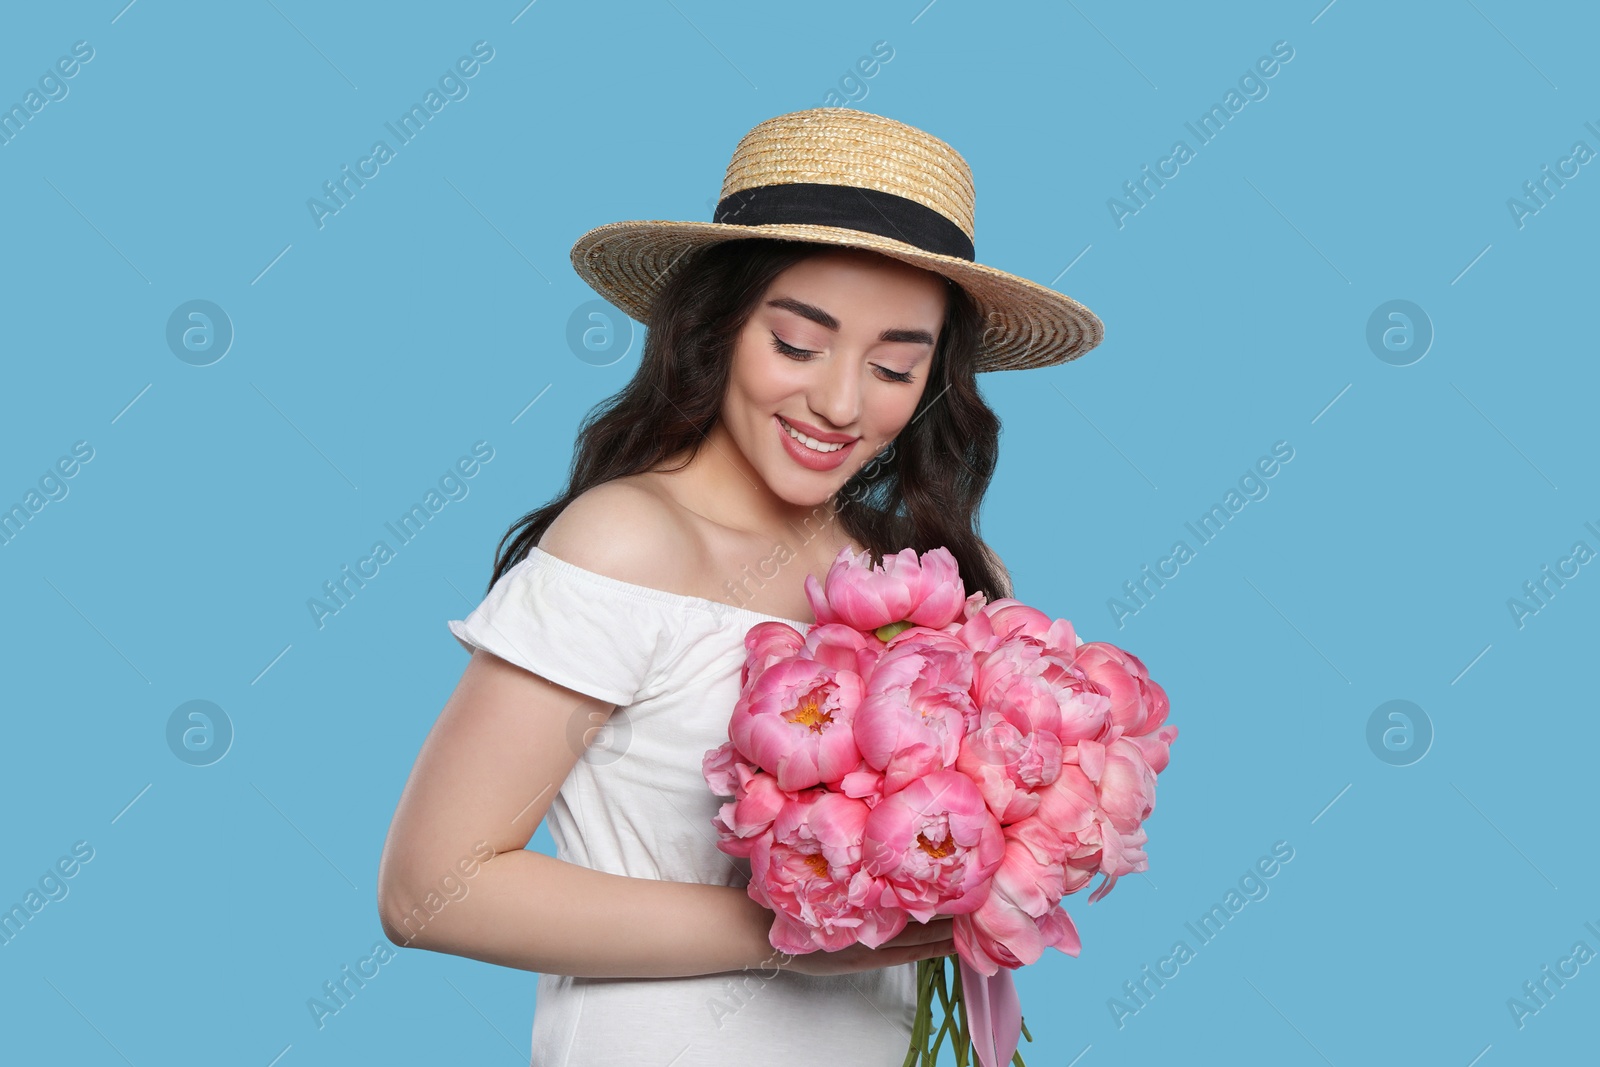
{"points": [[836, 398]]}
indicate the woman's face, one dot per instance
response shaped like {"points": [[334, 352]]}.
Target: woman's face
{"points": [[839, 348]]}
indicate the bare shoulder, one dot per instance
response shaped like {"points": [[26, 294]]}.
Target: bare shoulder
{"points": [[623, 528]]}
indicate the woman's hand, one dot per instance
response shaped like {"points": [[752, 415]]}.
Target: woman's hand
{"points": [[918, 941]]}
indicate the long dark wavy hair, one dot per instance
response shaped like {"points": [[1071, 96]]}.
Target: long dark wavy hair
{"points": [[923, 492]]}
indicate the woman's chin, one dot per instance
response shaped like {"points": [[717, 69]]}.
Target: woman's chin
{"points": [[806, 489]]}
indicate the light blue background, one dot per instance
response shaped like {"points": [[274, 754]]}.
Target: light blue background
{"points": [[433, 310]]}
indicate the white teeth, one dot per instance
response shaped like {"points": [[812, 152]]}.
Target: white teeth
{"points": [[810, 442]]}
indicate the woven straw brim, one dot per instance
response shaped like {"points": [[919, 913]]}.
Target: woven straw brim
{"points": [[1027, 325]]}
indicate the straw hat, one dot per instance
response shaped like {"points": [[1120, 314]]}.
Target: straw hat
{"points": [[838, 176]]}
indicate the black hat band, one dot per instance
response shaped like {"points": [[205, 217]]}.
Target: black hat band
{"points": [[850, 207]]}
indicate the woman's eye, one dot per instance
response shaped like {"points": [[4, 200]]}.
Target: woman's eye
{"points": [[787, 349], [803, 355]]}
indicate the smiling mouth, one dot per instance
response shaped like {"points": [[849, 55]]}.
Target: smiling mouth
{"points": [[820, 447]]}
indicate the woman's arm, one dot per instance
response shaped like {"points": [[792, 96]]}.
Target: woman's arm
{"points": [[482, 784]]}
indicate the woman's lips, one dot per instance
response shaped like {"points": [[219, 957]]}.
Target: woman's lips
{"points": [[810, 458]]}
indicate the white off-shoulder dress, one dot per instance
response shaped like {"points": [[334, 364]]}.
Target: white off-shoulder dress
{"points": [[636, 804]]}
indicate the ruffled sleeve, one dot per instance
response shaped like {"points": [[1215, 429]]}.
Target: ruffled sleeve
{"points": [[579, 629]]}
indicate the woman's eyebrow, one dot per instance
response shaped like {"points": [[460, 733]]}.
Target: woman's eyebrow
{"points": [[822, 318]]}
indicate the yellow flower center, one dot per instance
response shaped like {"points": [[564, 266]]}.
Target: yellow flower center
{"points": [[818, 864], [939, 851], [809, 713]]}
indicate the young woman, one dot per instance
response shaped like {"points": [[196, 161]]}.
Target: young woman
{"points": [[807, 385]]}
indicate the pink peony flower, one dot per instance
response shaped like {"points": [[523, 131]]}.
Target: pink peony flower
{"points": [[717, 767], [1025, 665], [1127, 786], [1008, 617], [1092, 814], [916, 707], [1110, 852], [806, 870], [1066, 808], [1009, 766], [843, 649], [936, 843], [1155, 747], [1125, 795], [750, 814], [1021, 916], [985, 939], [1138, 705], [794, 720], [766, 643], [926, 591]]}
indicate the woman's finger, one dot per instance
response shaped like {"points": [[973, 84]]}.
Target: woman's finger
{"points": [[922, 933]]}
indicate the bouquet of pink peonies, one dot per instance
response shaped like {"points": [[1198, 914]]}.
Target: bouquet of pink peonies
{"points": [[920, 753]]}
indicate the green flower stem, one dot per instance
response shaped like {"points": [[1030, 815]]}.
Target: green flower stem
{"points": [[923, 1018], [947, 1027], [931, 980], [963, 1040]]}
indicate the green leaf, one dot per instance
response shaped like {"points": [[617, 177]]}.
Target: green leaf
{"points": [[887, 631]]}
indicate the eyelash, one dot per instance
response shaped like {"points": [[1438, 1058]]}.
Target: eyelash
{"points": [[796, 354]]}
